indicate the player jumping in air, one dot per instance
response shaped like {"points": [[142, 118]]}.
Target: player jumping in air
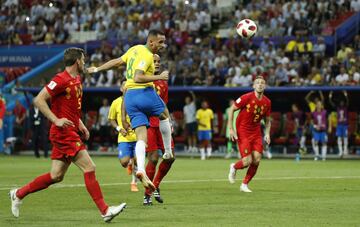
{"points": [[126, 139], [65, 93], [141, 100], [253, 106], [155, 143]]}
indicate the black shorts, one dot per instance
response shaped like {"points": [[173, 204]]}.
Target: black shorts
{"points": [[191, 128]]}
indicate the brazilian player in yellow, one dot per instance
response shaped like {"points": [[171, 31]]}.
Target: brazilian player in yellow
{"points": [[205, 117], [126, 139], [141, 99]]}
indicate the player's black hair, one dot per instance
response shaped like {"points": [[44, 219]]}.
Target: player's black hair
{"points": [[122, 80], [72, 54], [155, 32]]}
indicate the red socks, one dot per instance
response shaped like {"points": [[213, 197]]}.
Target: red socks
{"points": [[164, 168], [239, 165], [250, 173], [94, 190], [39, 183], [150, 172]]}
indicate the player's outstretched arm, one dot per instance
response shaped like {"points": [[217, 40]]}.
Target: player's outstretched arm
{"points": [[233, 135], [140, 76], [267, 130], [40, 102], [124, 122], [331, 101], [108, 65], [346, 98], [307, 97]]}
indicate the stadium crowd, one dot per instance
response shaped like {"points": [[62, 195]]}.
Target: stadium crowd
{"points": [[193, 56]]}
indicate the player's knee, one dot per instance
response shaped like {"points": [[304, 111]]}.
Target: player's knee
{"points": [[247, 160], [90, 168], [57, 177], [124, 162]]}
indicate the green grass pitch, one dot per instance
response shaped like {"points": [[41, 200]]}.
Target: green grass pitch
{"points": [[196, 193]]}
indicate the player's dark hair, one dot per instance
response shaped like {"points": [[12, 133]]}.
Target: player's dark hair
{"points": [[259, 77], [122, 80], [71, 55], [155, 32]]}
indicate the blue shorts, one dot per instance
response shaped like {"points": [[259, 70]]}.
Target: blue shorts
{"points": [[204, 135], [126, 149], [141, 104], [342, 130], [299, 133], [320, 136]]}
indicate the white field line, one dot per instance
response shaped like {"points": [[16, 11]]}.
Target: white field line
{"points": [[8, 187]]}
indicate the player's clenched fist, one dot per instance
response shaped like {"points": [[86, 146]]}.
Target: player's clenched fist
{"points": [[63, 122], [91, 70], [164, 75]]}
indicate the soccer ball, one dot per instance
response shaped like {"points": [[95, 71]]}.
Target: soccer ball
{"points": [[246, 28]]}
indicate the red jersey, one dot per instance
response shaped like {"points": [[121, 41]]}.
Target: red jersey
{"points": [[162, 89], [2, 108], [252, 110], [66, 97]]}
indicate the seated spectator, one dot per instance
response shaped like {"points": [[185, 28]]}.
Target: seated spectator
{"points": [[343, 77], [281, 75], [343, 53]]}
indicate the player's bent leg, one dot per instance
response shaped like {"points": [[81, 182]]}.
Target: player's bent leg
{"points": [[165, 129], [85, 163], [153, 158], [58, 170], [256, 156], [125, 161], [164, 168]]}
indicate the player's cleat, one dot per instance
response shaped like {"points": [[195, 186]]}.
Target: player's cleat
{"points": [[232, 173], [15, 203], [113, 211], [147, 200], [167, 156], [145, 180], [316, 158], [157, 196], [244, 188], [133, 187]]}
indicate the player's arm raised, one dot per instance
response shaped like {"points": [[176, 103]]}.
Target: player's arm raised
{"points": [[267, 129], [140, 76], [40, 102], [233, 135], [108, 65]]}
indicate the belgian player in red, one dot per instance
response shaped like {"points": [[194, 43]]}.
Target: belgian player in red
{"points": [[155, 143], [65, 93], [254, 106]]}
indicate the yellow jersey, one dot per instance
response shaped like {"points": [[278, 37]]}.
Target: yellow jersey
{"points": [[312, 106], [204, 117], [115, 114], [138, 57]]}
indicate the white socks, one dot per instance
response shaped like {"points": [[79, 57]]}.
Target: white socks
{"points": [[302, 142], [209, 151], [140, 155], [346, 141], [323, 151], [202, 153], [339, 142], [316, 149], [165, 130]]}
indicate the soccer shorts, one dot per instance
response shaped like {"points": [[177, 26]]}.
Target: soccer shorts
{"points": [[63, 149], [155, 141], [204, 135], [320, 136], [140, 104], [126, 149], [191, 129], [342, 130], [249, 144]]}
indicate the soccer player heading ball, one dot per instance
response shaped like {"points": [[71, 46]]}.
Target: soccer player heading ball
{"points": [[253, 106]]}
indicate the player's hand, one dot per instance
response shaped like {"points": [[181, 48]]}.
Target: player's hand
{"points": [[126, 126], [164, 75], [84, 131], [91, 70], [123, 132], [63, 122], [233, 135], [267, 139], [1, 124]]}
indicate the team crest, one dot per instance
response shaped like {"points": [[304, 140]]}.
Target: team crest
{"points": [[78, 144]]}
